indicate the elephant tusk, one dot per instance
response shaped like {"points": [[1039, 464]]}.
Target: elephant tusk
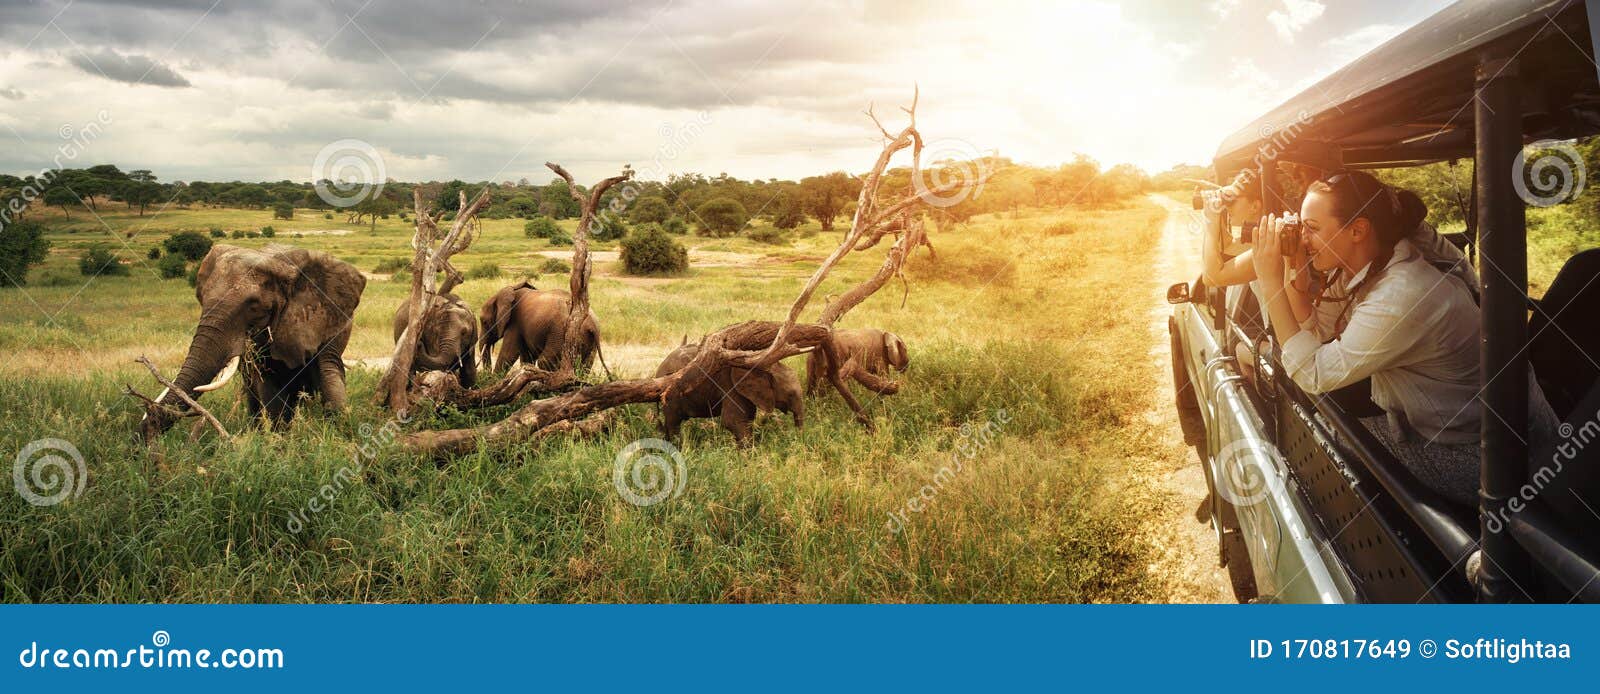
{"points": [[222, 378], [163, 394]]}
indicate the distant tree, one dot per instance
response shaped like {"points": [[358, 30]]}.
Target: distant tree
{"points": [[650, 210], [786, 212], [721, 217], [100, 260], [555, 200], [170, 266], [372, 208], [676, 225], [61, 197], [608, 227], [189, 244], [650, 251], [541, 227], [141, 176], [824, 197], [22, 246], [283, 210], [143, 195]]}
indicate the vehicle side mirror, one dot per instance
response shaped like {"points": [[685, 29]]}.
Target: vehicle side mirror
{"points": [[1178, 293]]}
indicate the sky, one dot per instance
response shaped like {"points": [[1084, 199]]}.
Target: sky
{"points": [[479, 90]]}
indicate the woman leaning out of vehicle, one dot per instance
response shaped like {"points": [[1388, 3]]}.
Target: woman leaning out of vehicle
{"points": [[1401, 322]]}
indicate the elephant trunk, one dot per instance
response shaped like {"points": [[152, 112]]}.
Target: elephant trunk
{"points": [[210, 351]]}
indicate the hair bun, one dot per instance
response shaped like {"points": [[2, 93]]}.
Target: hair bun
{"points": [[1410, 211]]}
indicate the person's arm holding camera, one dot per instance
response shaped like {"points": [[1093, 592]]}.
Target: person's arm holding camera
{"points": [[1268, 259], [1218, 271]]}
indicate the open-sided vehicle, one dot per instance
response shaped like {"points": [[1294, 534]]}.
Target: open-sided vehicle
{"points": [[1324, 511]]}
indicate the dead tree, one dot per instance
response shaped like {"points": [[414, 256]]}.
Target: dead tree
{"points": [[427, 260], [751, 344]]}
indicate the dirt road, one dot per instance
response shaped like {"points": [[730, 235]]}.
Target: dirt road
{"points": [[1195, 550]]}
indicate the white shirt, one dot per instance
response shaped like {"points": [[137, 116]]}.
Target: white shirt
{"points": [[1415, 333]]}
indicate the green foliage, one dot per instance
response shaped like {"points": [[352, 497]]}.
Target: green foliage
{"points": [[100, 260], [268, 232], [541, 227], [649, 210], [561, 238], [608, 227], [721, 217], [555, 266], [238, 233], [650, 251], [22, 246], [676, 225], [787, 215], [824, 197], [171, 266], [194, 274], [252, 234], [154, 253], [391, 265], [190, 244], [283, 210], [485, 271], [218, 233], [327, 215], [766, 234]]}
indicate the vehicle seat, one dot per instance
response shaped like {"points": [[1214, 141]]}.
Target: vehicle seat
{"points": [[1564, 335]]}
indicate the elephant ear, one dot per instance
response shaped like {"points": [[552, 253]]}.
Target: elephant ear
{"points": [[320, 304], [757, 386], [894, 352]]}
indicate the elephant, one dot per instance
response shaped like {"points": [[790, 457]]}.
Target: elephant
{"points": [[873, 351], [531, 325], [735, 395], [449, 333], [284, 313]]}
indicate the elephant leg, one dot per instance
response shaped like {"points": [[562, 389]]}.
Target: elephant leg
{"points": [[797, 408], [671, 423], [737, 414], [815, 365], [833, 364], [468, 371], [510, 350]]}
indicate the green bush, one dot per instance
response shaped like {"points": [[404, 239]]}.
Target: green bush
{"points": [[650, 210], [676, 225], [269, 232], [541, 227], [238, 234], [721, 217], [171, 266], [190, 244], [561, 238], [194, 274], [485, 271], [555, 266], [768, 235], [650, 251], [283, 211], [22, 246], [252, 234], [327, 215], [608, 227], [218, 233], [100, 260], [57, 278], [153, 253], [391, 265]]}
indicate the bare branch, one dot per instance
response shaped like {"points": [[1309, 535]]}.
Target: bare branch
{"points": [[175, 390]]}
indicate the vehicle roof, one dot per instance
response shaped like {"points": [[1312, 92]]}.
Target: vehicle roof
{"points": [[1410, 100]]}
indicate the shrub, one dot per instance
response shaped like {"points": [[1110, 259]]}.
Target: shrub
{"points": [[238, 234], [99, 260], [390, 265], [608, 227], [541, 227], [768, 235], [561, 238], [218, 233], [252, 234], [484, 271], [650, 251], [283, 211], [269, 232], [788, 217], [327, 215], [555, 266], [189, 244], [22, 246], [57, 278], [676, 225], [194, 274], [650, 210], [171, 266], [153, 253], [721, 217]]}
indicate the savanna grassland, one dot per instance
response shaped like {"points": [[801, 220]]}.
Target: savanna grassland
{"points": [[1029, 349]]}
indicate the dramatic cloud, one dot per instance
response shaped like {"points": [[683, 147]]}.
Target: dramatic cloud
{"points": [[1295, 16], [133, 69]]}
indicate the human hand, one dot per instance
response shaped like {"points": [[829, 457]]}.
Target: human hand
{"points": [[1268, 247]]}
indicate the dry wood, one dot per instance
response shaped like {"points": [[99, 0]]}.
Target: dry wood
{"points": [[157, 409]]}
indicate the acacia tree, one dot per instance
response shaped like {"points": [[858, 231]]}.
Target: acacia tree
{"points": [[752, 344]]}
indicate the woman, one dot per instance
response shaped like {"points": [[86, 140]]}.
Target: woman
{"points": [[1399, 321]]}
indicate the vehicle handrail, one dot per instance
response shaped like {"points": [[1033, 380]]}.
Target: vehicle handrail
{"points": [[1557, 551]]}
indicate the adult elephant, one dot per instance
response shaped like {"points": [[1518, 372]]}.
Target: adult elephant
{"points": [[734, 395], [449, 332], [531, 325], [285, 312], [874, 351]]}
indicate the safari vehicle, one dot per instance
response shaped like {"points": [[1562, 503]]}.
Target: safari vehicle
{"points": [[1324, 511]]}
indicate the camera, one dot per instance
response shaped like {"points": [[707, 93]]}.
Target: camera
{"points": [[1292, 229], [1206, 196]]}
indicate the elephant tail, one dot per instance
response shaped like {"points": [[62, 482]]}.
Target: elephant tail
{"points": [[601, 353]]}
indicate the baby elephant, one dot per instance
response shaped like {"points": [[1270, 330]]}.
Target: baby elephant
{"points": [[449, 332], [735, 395], [874, 352]]}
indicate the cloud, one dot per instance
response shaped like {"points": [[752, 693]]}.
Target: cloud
{"points": [[1224, 8], [133, 69], [377, 110], [1295, 15], [12, 94]]}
